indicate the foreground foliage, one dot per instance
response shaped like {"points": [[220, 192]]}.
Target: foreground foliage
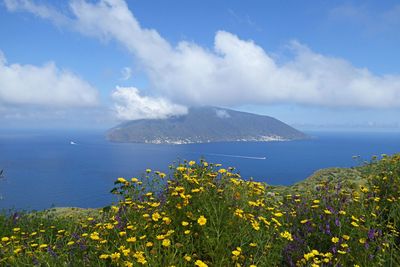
{"points": [[205, 215]]}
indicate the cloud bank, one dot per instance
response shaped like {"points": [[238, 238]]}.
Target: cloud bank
{"points": [[233, 72], [44, 86], [130, 105]]}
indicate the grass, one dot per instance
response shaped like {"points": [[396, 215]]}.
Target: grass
{"points": [[202, 214]]}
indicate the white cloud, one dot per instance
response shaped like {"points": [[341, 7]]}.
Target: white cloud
{"points": [[222, 113], [130, 105], [44, 85], [126, 73], [235, 71], [41, 11]]}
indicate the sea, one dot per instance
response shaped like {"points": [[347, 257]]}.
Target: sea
{"points": [[44, 169]]}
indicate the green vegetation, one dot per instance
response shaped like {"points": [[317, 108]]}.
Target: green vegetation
{"points": [[206, 215]]}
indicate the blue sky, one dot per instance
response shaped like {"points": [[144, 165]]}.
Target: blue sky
{"points": [[330, 64]]}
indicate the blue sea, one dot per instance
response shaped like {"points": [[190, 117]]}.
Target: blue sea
{"points": [[43, 169]]}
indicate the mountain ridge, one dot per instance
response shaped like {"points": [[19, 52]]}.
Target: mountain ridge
{"points": [[204, 125]]}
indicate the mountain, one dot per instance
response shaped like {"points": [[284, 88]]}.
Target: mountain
{"points": [[203, 125]]}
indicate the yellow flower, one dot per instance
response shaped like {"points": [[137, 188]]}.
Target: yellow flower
{"points": [[43, 246], [256, 225], [103, 256], [354, 224], [328, 255], [94, 236], [134, 180], [187, 232], [303, 221], [192, 162], [202, 220], [200, 263], [121, 180], [156, 216], [167, 220], [149, 244], [160, 237], [185, 223], [326, 211], [166, 242], [222, 171], [131, 240], [236, 253], [128, 264], [346, 237], [126, 252], [315, 252], [316, 201], [5, 239], [115, 256], [180, 169], [148, 170], [335, 240], [253, 245], [139, 257], [364, 189], [341, 251], [308, 256], [122, 233], [276, 221], [286, 235], [17, 250], [278, 214], [362, 240], [187, 258], [70, 243]]}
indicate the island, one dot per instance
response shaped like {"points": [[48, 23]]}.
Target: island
{"points": [[204, 125]]}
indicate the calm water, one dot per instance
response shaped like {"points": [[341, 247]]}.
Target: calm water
{"points": [[44, 169]]}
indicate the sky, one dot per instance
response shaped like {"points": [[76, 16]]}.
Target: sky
{"points": [[93, 64]]}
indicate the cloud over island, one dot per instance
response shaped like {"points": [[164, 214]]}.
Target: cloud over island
{"points": [[234, 72]]}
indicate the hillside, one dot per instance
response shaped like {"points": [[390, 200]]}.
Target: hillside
{"points": [[204, 124], [337, 217]]}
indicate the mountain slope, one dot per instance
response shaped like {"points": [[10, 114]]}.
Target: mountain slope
{"points": [[205, 124]]}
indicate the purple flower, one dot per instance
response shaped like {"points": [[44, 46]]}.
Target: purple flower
{"points": [[51, 252], [371, 234], [328, 229]]}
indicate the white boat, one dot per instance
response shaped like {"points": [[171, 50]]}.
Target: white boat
{"points": [[72, 143]]}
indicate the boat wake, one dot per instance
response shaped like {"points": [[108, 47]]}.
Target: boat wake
{"points": [[235, 156]]}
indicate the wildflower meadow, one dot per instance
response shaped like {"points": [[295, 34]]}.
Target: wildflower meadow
{"points": [[204, 214]]}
